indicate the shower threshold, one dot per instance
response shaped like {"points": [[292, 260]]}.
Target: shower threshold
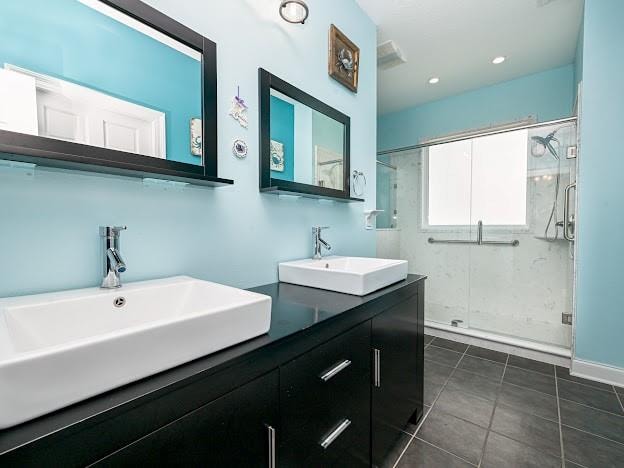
{"points": [[531, 349]]}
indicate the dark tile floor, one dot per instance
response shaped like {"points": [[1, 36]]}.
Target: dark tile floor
{"points": [[489, 409]]}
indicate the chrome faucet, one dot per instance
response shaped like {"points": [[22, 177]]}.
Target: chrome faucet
{"points": [[112, 262], [319, 243]]}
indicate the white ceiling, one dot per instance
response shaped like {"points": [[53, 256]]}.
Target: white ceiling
{"points": [[457, 39]]}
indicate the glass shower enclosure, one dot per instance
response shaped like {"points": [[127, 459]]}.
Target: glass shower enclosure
{"points": [[488, 218]]}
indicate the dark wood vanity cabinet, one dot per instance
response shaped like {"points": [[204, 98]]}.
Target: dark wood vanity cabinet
{"points": [[234, 430], [398, 360], [335, 392], [325, 403]]}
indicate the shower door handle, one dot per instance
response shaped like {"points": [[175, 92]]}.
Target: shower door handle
{"points": [[567, 220]]}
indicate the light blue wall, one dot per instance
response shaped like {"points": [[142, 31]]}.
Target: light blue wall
{"points": [[578, 60], [600, 304], [68, 40], [234, 235], [546, 96], [283, 131]]}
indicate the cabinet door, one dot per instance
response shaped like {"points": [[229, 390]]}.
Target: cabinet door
{"points": [[235, 430], [397, 396], [325, 404]]}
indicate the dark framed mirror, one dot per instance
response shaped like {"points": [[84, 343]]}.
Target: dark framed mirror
{"points": [[111, 86], [304, 143]]}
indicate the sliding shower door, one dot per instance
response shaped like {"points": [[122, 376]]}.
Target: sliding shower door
{"points": [[433, 202], [483, 217], [518, 183]]}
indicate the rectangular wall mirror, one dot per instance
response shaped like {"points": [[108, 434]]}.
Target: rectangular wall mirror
{"points": [[113, 83], [304, 143]]}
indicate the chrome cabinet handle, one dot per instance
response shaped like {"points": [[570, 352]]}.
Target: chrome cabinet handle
{"points": [[566, 213], [333, 435], [272, 454], [376, 367], [335, 370]]}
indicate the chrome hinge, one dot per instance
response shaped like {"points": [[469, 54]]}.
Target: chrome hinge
{"points": [[566, 318], [571, 154]]}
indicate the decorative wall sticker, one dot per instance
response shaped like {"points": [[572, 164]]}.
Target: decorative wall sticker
{"points": [[359, 183], [196, 137], [277, 156], [239, 110], [239, 149]]}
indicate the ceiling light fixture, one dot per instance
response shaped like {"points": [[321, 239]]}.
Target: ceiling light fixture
{"points": [[434, 80], [294, 11], [498, 60]]}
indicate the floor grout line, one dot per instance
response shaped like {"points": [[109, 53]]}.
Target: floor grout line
{"points": [[617, 395], [590, 386], [592, 434], [487, 434], [445, 451], [461, 369], [559, 422], [466, 353], [592, 407], [534, 371], [424, 418], [404, 450], [566, 399]]}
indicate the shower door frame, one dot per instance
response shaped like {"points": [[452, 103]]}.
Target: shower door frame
{"points": [[506, 129]]}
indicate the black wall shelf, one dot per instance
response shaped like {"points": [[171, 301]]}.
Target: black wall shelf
{"points": [[277, 190]]}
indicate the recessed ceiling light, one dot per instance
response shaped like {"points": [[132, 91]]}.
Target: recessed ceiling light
{"points": [[434, 80], [498, 60]]}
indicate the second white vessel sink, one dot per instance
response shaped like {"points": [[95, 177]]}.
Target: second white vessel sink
{"points": [[60, 348], [350, 275]]}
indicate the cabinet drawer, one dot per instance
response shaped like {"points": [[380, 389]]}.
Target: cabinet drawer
{"points": [[325, 397]]}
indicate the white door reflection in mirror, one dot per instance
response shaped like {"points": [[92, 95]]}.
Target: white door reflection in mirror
{"points": [[71, 112], [18, 103], [85, 72]]}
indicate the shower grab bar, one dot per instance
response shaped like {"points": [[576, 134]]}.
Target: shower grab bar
{"points": [[479, 241]]}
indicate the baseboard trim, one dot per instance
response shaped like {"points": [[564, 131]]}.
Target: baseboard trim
{"points": [[600, 372]]}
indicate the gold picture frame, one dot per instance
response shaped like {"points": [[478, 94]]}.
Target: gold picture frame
{"points": [[344, 59]]}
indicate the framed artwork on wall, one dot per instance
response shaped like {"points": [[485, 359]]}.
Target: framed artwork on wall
{"points": [[344, 59]]}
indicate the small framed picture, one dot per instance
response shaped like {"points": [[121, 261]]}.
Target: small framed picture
{"points": [[344, 59], [277, 156]]}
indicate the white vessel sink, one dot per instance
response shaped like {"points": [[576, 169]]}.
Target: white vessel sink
{"points": [[351, 275], [60, 348]]}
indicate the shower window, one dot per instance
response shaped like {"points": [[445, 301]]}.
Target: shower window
{"points": [[478, 179]]}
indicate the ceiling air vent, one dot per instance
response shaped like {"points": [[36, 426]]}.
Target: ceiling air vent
{"points": [[389, 55]]}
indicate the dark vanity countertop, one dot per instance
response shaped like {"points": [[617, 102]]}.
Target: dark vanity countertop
{"points": [[295, 311]]}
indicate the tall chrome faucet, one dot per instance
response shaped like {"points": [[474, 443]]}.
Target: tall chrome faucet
{"points": [[112, 262], [319, 243]]}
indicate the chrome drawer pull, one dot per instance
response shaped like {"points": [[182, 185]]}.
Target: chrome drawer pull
{"points": [[333, 435], [377, 367], [334, 370], [272, 451]]}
